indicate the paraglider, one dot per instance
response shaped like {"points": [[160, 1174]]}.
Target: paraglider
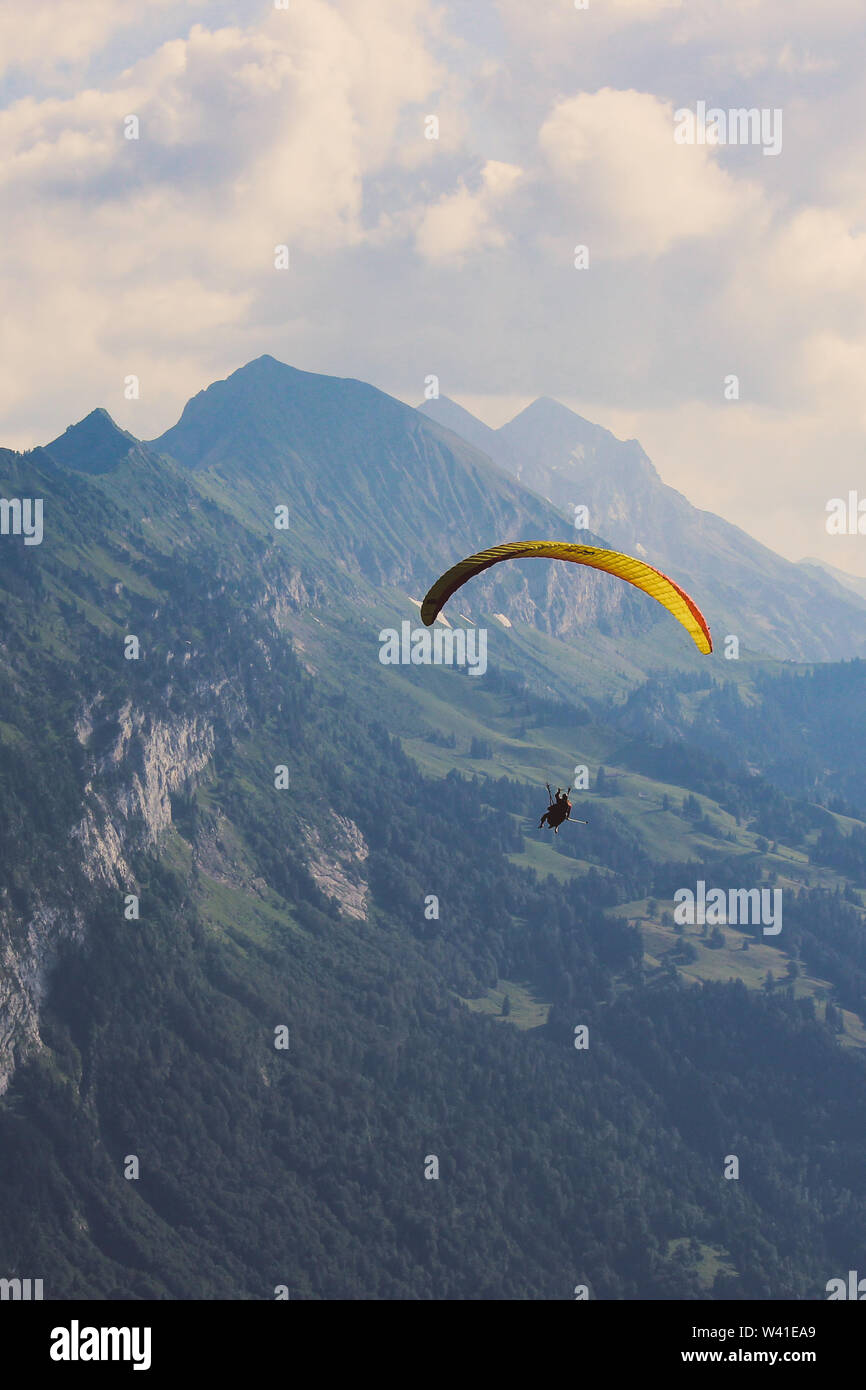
{"points": [[637, 572], [559, 810]]}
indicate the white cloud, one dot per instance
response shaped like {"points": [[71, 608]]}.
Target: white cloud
{"points": [[53, 39], [249, 138], [463, 221], [634, 191]]}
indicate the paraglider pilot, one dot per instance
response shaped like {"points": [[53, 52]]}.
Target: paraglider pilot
{"points": [[558, 810]]}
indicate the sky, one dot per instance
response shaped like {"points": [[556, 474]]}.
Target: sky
{"points": [[307, 125]]}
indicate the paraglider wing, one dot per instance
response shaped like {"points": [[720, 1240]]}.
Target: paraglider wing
{"points": [[633, 571]]}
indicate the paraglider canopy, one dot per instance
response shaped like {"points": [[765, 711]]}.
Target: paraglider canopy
{"points": [[637, 572]]}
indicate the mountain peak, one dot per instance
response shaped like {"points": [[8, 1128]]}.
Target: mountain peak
{"points": [[556, 448], [462, 422], [258, 366], [93, 445], [259, 410], [266, 367], [551, 405], [547, 414]]}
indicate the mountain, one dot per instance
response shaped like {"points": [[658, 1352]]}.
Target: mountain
{"points": [[452, 416], [265, 898], [772, 605], [334, 450], [94, 445], [855, 582]]}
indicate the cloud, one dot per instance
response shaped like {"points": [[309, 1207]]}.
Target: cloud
{"points": [[54, 39], [633, 190], [795, 62], [463, 222], [452, 256], [249, 138]]}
